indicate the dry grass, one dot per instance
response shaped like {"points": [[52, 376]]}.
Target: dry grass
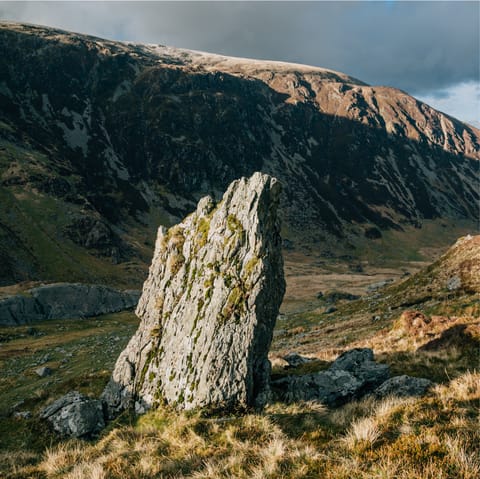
{"points": [[437, 436], [432, 437], [363, 431]]}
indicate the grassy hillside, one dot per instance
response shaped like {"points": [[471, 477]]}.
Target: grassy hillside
{"points": [[436, 436]]}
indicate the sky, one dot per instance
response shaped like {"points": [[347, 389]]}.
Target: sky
{"points": [[429, 49]]}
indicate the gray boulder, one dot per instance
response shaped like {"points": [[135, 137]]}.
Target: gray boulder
{"points": [[403, 386], [75, 415], [376, 286], [43, 372], [64, 301], [360, 362], [353, 374], [67, 300], [208, 307], [335, 296], [332, 387]]}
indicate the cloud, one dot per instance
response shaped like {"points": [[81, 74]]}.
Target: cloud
{"points": [[416, 46], [460, 101]]}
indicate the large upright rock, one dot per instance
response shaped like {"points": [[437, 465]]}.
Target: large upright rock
{"points": [[208, 307]]}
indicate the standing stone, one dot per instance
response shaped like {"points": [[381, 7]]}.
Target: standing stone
{"points": [[208, 307]]}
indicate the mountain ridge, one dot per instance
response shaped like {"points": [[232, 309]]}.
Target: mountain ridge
{"points": [[108, 139]]}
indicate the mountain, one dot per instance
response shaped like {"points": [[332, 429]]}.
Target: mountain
{"points": [[101, 141]]}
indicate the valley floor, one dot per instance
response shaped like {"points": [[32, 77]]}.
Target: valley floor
{"points": [[436, 436]]}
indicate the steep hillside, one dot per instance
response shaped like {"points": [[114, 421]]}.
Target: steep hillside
{"points": [[101, 141], [441, 302]]}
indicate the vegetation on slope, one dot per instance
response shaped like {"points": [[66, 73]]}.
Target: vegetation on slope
{"points": [[432, 437]]}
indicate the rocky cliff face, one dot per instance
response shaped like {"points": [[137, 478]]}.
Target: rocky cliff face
{"points": [[208, 307], [101, 140]]}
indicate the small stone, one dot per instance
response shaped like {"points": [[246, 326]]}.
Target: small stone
{"points": [[18, 404], [379, 285], [32, 331], [330, 309], [45, 359], [454, 283], [294, 360], [355, 268], [43, 372], [22, 414]]}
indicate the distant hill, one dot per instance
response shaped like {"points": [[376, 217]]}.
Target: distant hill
{"points": [[102, 141]]}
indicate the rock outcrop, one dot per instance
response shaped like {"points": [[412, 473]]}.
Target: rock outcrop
{"points": [[64, 301], [352, 374], [208, 307], [75, 415]]}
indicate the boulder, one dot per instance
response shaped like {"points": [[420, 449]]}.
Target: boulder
{"points": [[67, 300], [294, 360], [43, 372], [208, 307], [403, 386], [331, 388], [335, 296], [360, 362], [352, 374], [75, 415], [64, 301], [20, 309]]}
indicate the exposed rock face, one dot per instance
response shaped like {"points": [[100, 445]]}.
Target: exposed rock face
{"points": [[64, 301], [352, 374], [208, 307], [75, 415]]}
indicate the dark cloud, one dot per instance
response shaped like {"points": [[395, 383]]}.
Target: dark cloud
{"points": [[416, 46]]}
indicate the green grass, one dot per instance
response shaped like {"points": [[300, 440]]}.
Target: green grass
{"points": [[81, 354], [39, 220]]}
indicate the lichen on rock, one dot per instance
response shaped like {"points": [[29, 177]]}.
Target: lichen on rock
{"points": [[208, 307]]}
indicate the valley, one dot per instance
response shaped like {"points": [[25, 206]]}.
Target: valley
{"points": [[102, 142], [81, 355]]}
